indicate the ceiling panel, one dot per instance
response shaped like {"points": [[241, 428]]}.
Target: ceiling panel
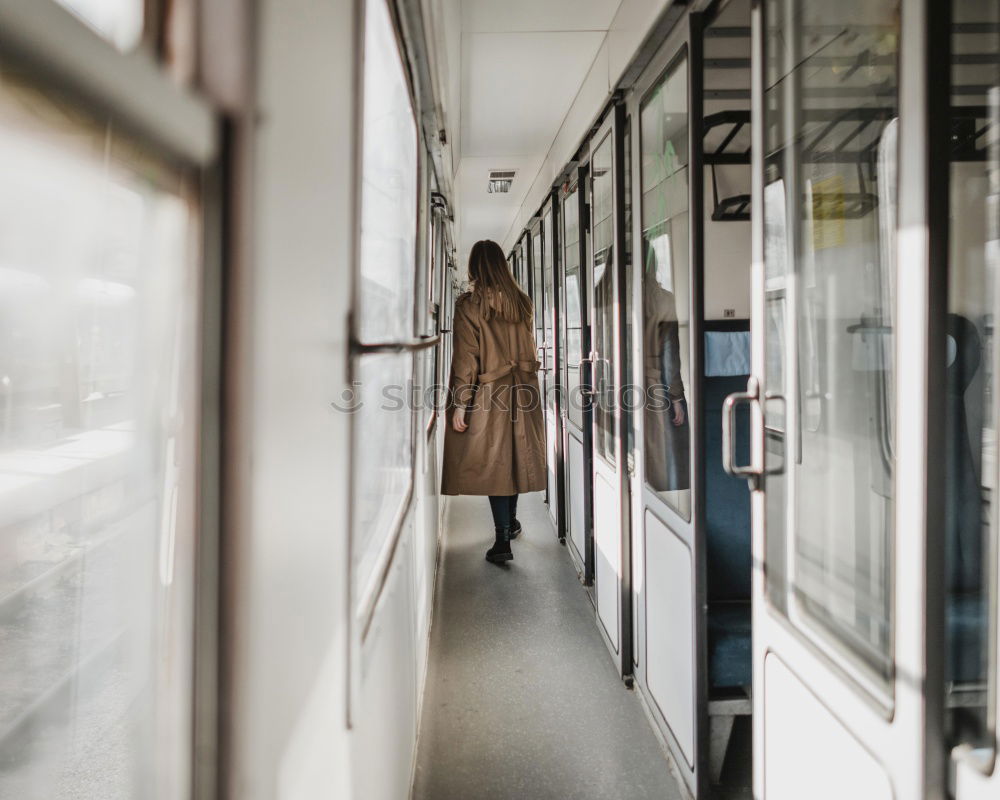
{"points": [[532, 15], [517, 88], [481, 215]]}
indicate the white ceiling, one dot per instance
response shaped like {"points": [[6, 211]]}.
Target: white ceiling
{"points": [[523, 62]]}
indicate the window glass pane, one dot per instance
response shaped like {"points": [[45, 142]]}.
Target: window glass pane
{"points": [[382, 446], [829, 210], [573, 320], [389, 187], [550, 377], [666, 334], [538, 294], [602, 240], [99, 293], [118, 21], [971, 390]]}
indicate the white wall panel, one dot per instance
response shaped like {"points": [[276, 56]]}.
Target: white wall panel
{"points": [[530, 15], [385, 727], [287, 557], [592, 96], [634, 20]]}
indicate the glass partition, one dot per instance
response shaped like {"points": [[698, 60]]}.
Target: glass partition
{"points": [[666, 332], [573, 319], [602, 242], [829, 207]]}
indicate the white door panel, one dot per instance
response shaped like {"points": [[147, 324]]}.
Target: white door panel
{"points": [[607, 551], [550, 457], [670, 631], [824, 756], [576, 496]]}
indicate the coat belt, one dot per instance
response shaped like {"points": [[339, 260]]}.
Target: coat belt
{"points": [[508, 368]]}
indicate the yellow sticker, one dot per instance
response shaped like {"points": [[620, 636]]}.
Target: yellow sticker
{"points": [[828, 212]]}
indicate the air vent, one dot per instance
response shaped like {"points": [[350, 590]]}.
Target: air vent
{"points": [[500, 180]]}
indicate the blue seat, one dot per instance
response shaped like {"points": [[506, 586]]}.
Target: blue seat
{"points": [[729, 640], [727, 533], [966, 616], [965, 612]]}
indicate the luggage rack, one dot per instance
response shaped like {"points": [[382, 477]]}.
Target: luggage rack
{"points": [[737, 207]]}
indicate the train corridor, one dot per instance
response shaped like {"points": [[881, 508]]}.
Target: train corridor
{"points": [[522, 700]]}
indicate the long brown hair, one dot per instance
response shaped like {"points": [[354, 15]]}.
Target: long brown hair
{"points": [[494, 283]]}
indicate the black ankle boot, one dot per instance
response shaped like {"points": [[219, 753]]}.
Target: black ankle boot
{"points": [[515, 530], [500, 552]]}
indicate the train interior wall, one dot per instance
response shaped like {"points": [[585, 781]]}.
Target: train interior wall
{"points": [[291, 736]]}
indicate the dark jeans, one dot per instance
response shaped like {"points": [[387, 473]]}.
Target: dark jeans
{"points": [[504, 508]]}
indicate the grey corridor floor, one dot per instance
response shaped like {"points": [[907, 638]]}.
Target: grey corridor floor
{"points": [[522, 697]]}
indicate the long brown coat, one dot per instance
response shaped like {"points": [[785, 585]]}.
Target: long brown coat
{"points": [[494, 372]]}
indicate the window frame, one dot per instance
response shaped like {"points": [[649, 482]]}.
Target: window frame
{"points": [[58, 52], [363, 600]]}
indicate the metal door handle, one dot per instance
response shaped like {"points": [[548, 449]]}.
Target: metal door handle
{"points": [[752, 396], [579, 375]]}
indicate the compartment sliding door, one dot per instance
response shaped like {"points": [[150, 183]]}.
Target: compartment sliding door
{"points": [[606, 300], [666, 352], [847, 309], [574, 343]]}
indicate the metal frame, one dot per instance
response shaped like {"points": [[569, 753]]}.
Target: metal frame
{"points": [[621, 356], [696, 215], [577, 184], [583, 194], [611, 131]]}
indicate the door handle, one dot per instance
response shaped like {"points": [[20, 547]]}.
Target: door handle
{"points": [[751, 472], [579, 376]]}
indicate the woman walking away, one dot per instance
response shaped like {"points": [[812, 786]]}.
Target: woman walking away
{"points": [[495, 442]]}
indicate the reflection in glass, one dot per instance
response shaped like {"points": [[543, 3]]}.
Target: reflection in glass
{"points": [[971, 389], [99, 292], [602, 242], [389, 187], [545, 253], [118, 21], [537, 289], [665, 289], [829, 190], [572, 317]]}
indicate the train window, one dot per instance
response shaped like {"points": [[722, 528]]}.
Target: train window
{"points": [[602, 240], [383, 427], [666, 333], [574, 320], [971, 381], [829, 203], [389, 187], [537, 288], [546, 252], [99, 388], [118, 21]]}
